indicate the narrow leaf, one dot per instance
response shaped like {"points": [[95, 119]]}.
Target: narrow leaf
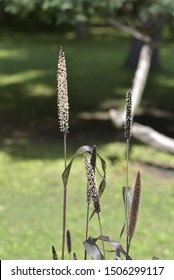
{"points": [[102, 186], [67, 170], [127, 191], [122, 231], [115, 244], [82, 150], [92, 249]]}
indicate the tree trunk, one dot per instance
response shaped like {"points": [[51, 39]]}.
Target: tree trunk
{"points": [[135, 49], [138, 85], [81, 30]]}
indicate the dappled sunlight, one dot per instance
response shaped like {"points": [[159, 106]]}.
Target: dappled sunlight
{"points": [[22, 77], [112, 103], [13, 54], [166, 81], [118, 98], [156, 112], [146, 154], [40, 90]]}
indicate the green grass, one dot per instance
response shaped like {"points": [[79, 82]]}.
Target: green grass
{"points": [[31, 206], [31, 155]]}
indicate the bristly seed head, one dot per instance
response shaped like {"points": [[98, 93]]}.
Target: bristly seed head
{"points": [[135, 206], [128, 121], [68, 240], [92, 191], [93, 157], [90, 179], [54, 254], [96, 202], [74, 256], [62, 96]]}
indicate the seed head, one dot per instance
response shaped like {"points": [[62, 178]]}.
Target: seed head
{"points": [[96, 202], [128, 121], [134, 207], [62, 96], [93, 157], [90, 179], [74, 256], [68, 240], [54, 254], [92, 191]]}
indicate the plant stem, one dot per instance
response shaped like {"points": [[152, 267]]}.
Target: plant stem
{"points": [[126, 197], [99, 220], [65, 146], [127, 163], [86, 236], [64, 199]]}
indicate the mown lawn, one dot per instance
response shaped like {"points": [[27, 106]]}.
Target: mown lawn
{"points": [[31, 155]]}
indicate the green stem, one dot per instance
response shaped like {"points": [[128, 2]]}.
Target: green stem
{"points": [[64, 201], [126, 196], [87, 222], [99, 220], [128, 246], [65, 146], [127, 163]]}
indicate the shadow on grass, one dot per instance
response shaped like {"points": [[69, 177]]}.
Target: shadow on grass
{"points": [[97, 81], [47, 142]]}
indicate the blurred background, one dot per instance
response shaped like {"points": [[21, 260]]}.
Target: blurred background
{"points": [[102, 52]]}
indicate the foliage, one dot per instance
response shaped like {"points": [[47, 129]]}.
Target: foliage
{"points": [[140, 14], [20, 7]]}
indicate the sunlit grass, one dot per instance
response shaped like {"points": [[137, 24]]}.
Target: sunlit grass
{"points": [[31, 203], [23, 77]]}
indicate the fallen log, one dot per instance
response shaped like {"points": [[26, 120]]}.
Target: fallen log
{"points": [[145, 134]]}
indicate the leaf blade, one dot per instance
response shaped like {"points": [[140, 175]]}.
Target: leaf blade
{"points": [[92, 249]]}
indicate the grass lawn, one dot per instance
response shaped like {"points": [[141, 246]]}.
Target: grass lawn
{"points": [[31, 155]]}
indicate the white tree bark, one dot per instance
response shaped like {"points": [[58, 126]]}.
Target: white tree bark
{"points": [[138, 85], [143, 133], [153, 138]]}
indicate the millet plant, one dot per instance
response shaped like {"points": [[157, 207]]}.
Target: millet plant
{"points": [[94, 191]]}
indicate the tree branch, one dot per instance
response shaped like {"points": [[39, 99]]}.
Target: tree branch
{"points": [[153, 138], [135, 33], [138, 35]]}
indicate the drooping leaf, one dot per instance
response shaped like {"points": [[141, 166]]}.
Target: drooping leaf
{"points": [[82, 150], [92, 249], [115, 244], [103, 163], [102, 186], [67, 170]]}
